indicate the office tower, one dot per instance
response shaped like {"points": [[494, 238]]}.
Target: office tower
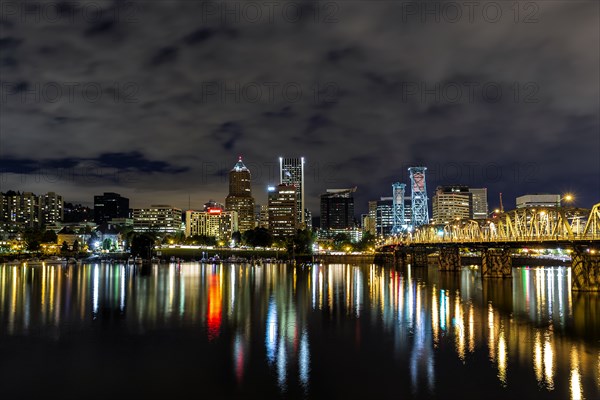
{"points": [[337, 209], [291, 172], [308, 220], [157, 218], [263, 217], [240, 197], [450, 203], [381, 213], [109, 206], [213, 222], [282, 210], [480, 203]]}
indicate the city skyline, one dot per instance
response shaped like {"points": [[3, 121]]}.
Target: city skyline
{"points": [[198, 201]]}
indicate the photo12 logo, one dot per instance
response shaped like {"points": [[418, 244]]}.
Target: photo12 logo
{"points": [[68, 92], [452, 12], [222, 92], [60, 12]]}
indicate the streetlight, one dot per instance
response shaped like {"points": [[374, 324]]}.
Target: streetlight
{"points": [[568, 198]]}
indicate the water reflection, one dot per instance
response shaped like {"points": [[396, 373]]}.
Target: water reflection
{"points": [[324, 322]]}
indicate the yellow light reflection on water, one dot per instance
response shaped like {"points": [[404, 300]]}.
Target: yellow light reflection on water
{"points": [[502, 357], [471, 329], [549, 362], [459, 328], [537, 357], [435, 327], [492, 334], [575, 380]]}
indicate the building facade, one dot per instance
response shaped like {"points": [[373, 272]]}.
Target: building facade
{"points": [[291, 172], [110, 205], [337, 209], [157, 218], [450, 203], [214, 222], [282, 210], [240, 197], [538, 200]]}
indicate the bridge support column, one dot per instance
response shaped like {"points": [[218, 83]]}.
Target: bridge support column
{"points": [[419, 257], [400, 257], [585, 271], [496, 263], [449, 259]]}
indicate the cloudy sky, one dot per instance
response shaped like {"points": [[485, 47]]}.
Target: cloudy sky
{"points": [[156, 99]]}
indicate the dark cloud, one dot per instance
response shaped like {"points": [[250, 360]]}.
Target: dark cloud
{"points": [[375, 98], [198, 36], [164, 55]]}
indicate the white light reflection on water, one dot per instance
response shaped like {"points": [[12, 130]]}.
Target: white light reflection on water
{"points": [[282, 366], [95, 289], [304, 360], [271, 330]]}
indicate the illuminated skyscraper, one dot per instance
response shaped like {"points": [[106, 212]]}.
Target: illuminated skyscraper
{"points": [[291, 172], [282, 210], [240, 196]]}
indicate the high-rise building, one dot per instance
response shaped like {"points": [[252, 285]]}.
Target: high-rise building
{"points": [[308, 220], [480, 203], [51, 208], [213, 222], [282, 210], [291, 172], [538, 200], [109, 206], [337, 209], [30, 210], [450, 203], [157, 218], [381, 215], [240, 197], [263, 217]]}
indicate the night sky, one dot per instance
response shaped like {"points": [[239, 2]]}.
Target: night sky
{"points": [[156, 100]]}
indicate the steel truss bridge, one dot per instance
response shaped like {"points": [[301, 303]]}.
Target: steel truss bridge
{"points": [[576, 229]]}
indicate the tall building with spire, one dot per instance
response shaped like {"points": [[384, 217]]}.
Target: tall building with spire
{"points": [[240, 196]]}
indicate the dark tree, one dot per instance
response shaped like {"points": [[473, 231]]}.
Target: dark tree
{"points": [[64, 248], [236, 237], [49, 237], [76, 246], [142, 244]]}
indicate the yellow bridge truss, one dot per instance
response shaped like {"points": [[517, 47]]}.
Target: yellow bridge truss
{"points": [[520, 225]]}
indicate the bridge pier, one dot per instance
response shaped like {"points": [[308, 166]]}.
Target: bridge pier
{"points": [[449, 259], [585, 271], [400, 257], [496, 263], [419, 257]]}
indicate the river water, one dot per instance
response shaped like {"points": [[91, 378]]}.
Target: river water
{"points": [[277, 331]]}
